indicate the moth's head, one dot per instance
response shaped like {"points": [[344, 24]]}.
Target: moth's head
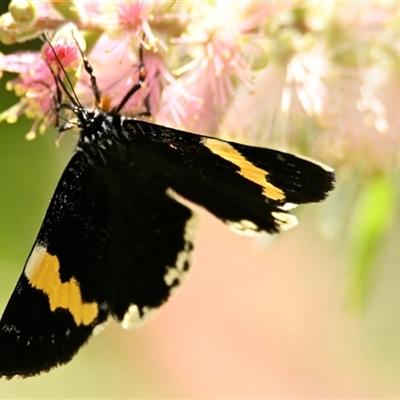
{"points": [[63, 57], [67, 62]]}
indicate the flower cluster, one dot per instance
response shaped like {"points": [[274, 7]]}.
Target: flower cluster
{"points": [[189, 89], [265, 70], [320, 78]]}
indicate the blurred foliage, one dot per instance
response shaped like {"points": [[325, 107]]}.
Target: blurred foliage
{"points": [[373, 215]]}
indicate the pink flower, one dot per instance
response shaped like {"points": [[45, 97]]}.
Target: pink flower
{"points": [[63, 51], [35, 85], [207, 82], [134, 20], [257, 69]]}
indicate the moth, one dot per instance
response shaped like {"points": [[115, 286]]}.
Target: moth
{"points": [[116, 240]]}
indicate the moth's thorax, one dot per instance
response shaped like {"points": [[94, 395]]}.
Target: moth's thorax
{"points": [[101, 134]]}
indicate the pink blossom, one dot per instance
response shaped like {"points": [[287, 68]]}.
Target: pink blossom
{"points": [[134, 20], [260, 70], [35, 85], [63, 51]]}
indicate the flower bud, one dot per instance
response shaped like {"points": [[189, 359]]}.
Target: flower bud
{"points": [[7, 33], [23, 12]]}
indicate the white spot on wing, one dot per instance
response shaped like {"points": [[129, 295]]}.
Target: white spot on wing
{"points": [[133, 319], [244, 227], [288, 206], [176, 273], [34, 260], [98, 328], [284, 220]]}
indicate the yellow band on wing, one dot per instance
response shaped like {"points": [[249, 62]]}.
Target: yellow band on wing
{"points": [[42, 271], [247, 169]]}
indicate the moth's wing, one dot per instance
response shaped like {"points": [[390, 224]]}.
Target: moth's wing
{"points": [[249, 188], [108, 245], [150, 249], [51, 313]]}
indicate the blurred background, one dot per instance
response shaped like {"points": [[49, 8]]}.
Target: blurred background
{"points": [[266, 317]]}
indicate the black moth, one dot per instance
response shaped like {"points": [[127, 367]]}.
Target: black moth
{"points": [[116, 241]]}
